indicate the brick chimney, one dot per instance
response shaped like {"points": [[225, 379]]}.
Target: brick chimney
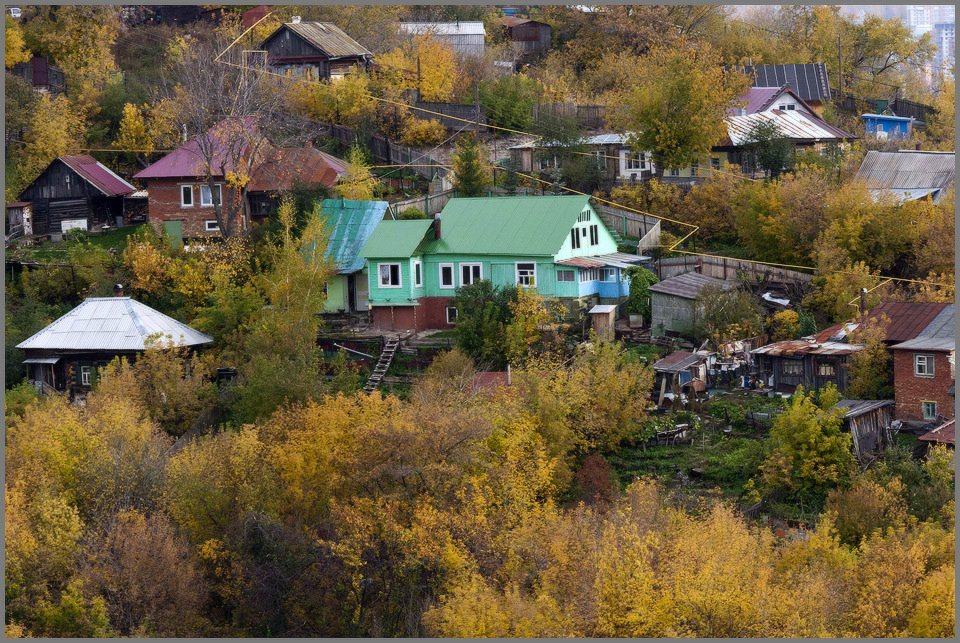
{"points": [[436, 226], [118, 290]]}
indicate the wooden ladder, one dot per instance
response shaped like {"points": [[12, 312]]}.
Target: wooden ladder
{"points": [[386, 358]]}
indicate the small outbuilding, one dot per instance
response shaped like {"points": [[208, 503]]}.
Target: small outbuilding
{"points": [[466, 38], [525, 34], [602, 319], [869, 423], [673, 302], [680, 373], [66, 355], [943, 434], [909, 175]]}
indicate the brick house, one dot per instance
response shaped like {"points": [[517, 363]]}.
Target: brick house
{"points": [[181, 201], [923, 371]]}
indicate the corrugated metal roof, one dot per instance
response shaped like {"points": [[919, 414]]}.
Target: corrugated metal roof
{"points": [[599, 139], [945, 433], [678, 361], [612, 259], [98, 175], [351, 224], [910, 195], [111, 324], [288, 166], [602, 309], [856, 408], [686, 285], [758, 98], [444, 28], [908, 170], [939, 335], [796, 347], [513, 225], [395, 238], [514, 21], [327, 37], [809, 80], [907, 320], [187, 160], [139, 194], [792, 124]]}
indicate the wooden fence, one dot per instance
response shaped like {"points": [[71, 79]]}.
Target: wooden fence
{"points": [[630, 224], [588, 116], [386, 153], [429, 204], [722, 268], [452, 115], [899, 106]]}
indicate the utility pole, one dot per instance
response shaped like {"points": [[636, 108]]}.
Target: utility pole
{"points": [[840, 65], [419, 89]]}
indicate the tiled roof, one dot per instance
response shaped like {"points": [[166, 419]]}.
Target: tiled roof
{"points": [[686, 285], [111, 324], [907, 320], [97, 174]]}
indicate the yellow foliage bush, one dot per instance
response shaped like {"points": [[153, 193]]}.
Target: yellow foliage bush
{"points": [[418, 132]]}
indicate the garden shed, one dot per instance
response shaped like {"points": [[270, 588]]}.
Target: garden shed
{"points": [[869, 424], [673, 309], [466, 38]]}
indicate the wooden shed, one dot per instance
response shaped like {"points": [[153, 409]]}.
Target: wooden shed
{"points": [[75, 192], [527, 35], [602, 318], [869, 424], [673, 303], [314, 50]]}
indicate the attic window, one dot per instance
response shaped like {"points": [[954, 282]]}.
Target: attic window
{"points": [[66, 180]]}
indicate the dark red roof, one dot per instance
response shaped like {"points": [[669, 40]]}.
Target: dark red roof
{"points": [[288, 165], [489, 380], [18, 204], [98, 175], [513, 21], [187, 161], [907, 319], [944, 434]]}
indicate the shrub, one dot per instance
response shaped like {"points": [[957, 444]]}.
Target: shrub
{"points": [[418, 132], [412, 213]]}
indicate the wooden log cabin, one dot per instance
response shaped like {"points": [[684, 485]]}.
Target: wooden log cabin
{"points": [[75, 192], [314, 50]]}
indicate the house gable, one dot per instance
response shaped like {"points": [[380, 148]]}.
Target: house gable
{"points": [[602, 243]]}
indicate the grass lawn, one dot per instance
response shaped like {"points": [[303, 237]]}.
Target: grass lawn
{"points": [[441, 334], [58, 250]]}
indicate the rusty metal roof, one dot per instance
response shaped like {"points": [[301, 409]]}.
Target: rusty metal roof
{"points": [[799, 347], [678, 361], [944, 434], [793, 124], [612, 259], [111, 324], [907, 320], [687, 285], [327, 37], [939, 335], [908, 170]]}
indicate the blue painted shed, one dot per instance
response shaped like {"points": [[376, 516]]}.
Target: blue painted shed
{"points": [[884, 126]]}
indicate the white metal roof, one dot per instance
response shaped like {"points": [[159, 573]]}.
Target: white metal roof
{"points": [[111, 324], [444, 28], [601, 309], [792, 124]]}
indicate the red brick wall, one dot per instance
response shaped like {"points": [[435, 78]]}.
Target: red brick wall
{"points": [[912, 391], [164, 205]]}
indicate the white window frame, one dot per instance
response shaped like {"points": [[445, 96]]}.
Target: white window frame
{"points": [[380, 283], [793, 362], [455, 313], [929, 368], [923, 410], [205, 187], [608, 275], [453, 276], [470, 264], [86, 375], [418, 274], [193, 202], [211, 225], [674, 172], [566, 271], [516, 273]]}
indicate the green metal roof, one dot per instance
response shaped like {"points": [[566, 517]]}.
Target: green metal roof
{"points": [[515, 225], [395, 238], [351, 223]]}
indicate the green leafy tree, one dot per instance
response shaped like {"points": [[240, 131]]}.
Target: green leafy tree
{"points": [[725, 315], [483, 313], [770, 149], [676, 106], [640, 281], [869, 372], [808, 452], [470, 172], [508, 101]]}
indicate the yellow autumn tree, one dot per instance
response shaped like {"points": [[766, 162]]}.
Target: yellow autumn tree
{"points": [[56, 129], [15, 48], [531, 313], [359, 183], [147, 129], [425, 64]]}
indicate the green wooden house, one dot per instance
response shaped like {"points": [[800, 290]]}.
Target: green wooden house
{"points": [[556, 244], [350, 224]]}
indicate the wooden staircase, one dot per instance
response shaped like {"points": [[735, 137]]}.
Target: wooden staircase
{"points": [[386, 358]]}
